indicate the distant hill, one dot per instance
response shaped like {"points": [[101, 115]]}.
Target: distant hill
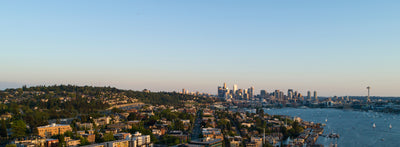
{"points": [[63, 101], [90, 93]]}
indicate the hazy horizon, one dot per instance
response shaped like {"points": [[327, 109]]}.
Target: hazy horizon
{"points": [[332, 47], [5, 85]]}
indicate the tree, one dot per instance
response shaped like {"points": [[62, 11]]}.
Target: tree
{"points": [[169, 140], [18, 128], [11, 145], [297, 128], [61, 139], [84, 141], [3, 129], [178, 125], [69, 134], [108, 137], [132, 116], [116, 110]]}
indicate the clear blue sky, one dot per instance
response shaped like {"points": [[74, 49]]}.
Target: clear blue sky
{"points": [[335, 47]]}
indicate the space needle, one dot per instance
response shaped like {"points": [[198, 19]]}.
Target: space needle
{"points": [[368, 100]]}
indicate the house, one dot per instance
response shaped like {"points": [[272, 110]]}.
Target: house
{"points": [[5, 116], [120, 126], [121, 136], [102, 121]]}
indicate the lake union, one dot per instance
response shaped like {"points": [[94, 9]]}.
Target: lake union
{"points": [[354, 127]]}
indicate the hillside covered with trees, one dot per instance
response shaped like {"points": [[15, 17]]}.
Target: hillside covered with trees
{"points": [[34, 106]]}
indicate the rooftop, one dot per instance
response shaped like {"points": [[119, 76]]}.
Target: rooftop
{"points": [[205, 141], [53, 125]]}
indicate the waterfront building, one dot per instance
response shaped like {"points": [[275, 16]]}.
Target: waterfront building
{"points": [[251, 92], [220, 92], [223, 92], [246, 94], [290, 93], [234, 90], [239, 94], [276, 94], [368, 99], [315, 96], [263, 94]]}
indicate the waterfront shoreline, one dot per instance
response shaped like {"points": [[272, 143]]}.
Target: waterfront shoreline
{"points": [[356, 125]]}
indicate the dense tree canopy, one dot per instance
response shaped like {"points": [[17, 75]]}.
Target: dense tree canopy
{"points": [[3, 129], [18, 128], [108, 137], [35, 106]]}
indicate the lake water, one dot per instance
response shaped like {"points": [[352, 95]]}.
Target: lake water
{"points": [[354, 127]]}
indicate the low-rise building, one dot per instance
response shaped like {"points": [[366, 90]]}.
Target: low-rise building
{"points": [[27, 142], [117, 143], [206, 142], [135, 140], [102, 121], [139, 140], [120, 126], [257, 141], [85, 125], [182, 137], [213, 133], [53, 129], [121, 136], [51, 143], [5, 116], [73, 143], [234, 141]]}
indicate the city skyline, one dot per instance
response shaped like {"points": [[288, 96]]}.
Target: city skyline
{"points": [[199, 73], [335, 48], [255, 91]]}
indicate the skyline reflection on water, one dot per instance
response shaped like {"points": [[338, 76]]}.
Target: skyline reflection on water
{"points": [[354, 127]]}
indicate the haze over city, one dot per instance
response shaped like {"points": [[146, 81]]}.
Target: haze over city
{"points": [[336, 48]]}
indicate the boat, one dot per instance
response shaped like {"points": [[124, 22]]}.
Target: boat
{"points": [[326, 119], [333, 135], [390, 126], [373, 125]]}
